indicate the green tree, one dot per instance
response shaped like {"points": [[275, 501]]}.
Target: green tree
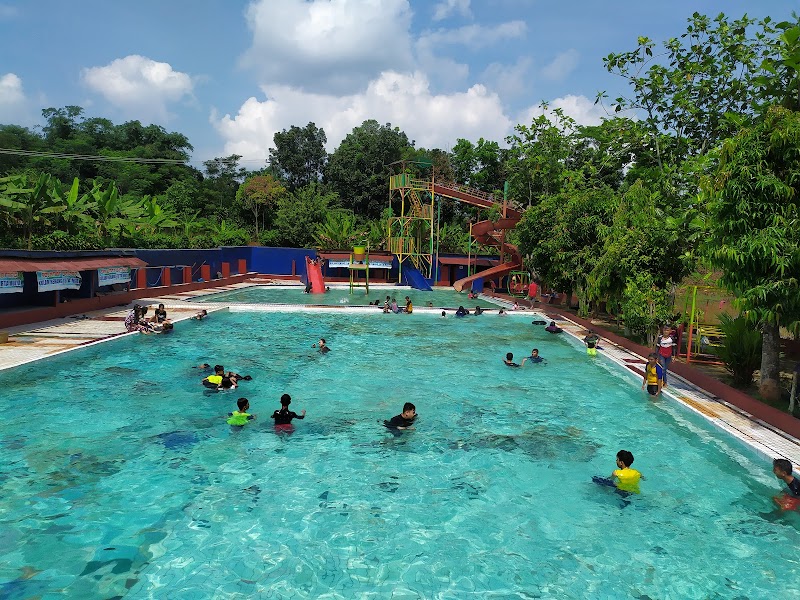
{"points": [[259, 194], [753, 232], [561, 237], [537, 157], [359, 169], [299, 155], [298, 216], [478, 165]]}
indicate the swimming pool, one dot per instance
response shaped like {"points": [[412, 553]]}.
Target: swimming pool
{"points": [[338, 295], [128, 482]]}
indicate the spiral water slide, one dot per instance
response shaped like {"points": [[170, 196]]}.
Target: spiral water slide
{"points": [[487, 232]]}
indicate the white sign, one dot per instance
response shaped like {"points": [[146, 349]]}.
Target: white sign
{"points": [[111, 275], [58, 280], [11, 283], [373, 264]]}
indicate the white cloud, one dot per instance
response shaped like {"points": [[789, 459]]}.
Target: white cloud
{"points": [[580, 108], [139, 86], [448, 7], [404, 100], [14, 105], [474, 36], [561, 66], [508, 81], [330, 46]]}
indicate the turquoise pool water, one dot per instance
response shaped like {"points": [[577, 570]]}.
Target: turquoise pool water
{"points": [[121, 478], [447, 298]]}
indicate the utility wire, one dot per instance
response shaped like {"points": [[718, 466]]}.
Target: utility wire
{"points": [[132, 159]]}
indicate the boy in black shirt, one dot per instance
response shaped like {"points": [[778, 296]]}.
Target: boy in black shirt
{"points": [[404, 420], [283, 417], [783, 471]]}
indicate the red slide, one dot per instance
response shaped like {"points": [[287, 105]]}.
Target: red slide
{"points": [[314, 274], [486, 232]]}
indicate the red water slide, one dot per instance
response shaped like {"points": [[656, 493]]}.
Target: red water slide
{"points": [[487, 233], [314, 274]]}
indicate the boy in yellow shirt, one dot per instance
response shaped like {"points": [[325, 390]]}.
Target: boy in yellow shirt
{"points": [[625, 479]]}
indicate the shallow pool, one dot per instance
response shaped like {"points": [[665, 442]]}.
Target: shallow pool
{"points": [[121, 478], [439, 298]]}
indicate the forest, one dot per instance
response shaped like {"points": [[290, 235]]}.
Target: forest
{"points": [[696, 167]]}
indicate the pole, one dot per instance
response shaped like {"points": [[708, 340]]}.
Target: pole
{"points": [[469, 251], [691, 328], [438, 229]]}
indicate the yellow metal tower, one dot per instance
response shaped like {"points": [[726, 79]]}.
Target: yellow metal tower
{"points": [[411, 234]]}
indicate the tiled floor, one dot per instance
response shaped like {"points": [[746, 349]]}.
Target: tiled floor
{"points": [[33, 342]]}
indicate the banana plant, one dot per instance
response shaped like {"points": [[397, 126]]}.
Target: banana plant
{"points": [[30, 202], [76, 216], [338, 232]]}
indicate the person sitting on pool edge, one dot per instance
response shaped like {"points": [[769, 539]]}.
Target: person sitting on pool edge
{"points": [[405, 420], [625, 479], [790, 499], [323, 347], [653, 375], [283, 417], [534, 357], [160, 314], [509, 360], [553, 328], [409, 307], [240, 417]]}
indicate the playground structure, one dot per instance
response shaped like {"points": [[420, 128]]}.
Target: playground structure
{"points": [[701, 335], [412, 234], [359, 262]]}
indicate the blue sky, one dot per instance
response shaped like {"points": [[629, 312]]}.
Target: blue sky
{"points": [[230, 73]]}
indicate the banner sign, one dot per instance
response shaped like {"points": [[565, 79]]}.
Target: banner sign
{"points": [[58, 280], [112, 275], [11, 283], [373, 264]]}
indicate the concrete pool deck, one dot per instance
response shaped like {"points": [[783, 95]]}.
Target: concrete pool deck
{"points": [[28, 343]]}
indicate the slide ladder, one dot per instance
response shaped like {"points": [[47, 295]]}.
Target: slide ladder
{"points": [[314, 277], [486, 232]]}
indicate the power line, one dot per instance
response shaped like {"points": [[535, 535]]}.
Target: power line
{"points": [[131, 159]]}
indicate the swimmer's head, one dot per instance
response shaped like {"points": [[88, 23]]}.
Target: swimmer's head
{"points": [[409, 410], [535, 352], [227, 383], [219, 369], [781, 467], [624, 458], [322, 342], [501, 312], [444, 314], [286, 400], [204, 312], [509, 356], [243, 404]]}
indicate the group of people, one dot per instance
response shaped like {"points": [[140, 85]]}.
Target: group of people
{"points": [[220, 380], [534, 358], [655, 371], [390, 305], [137, 320]]}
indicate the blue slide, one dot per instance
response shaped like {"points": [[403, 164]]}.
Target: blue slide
{"points": [[414, 278]]}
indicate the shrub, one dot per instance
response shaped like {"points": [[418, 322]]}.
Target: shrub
{"points": [[741, 350]]}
